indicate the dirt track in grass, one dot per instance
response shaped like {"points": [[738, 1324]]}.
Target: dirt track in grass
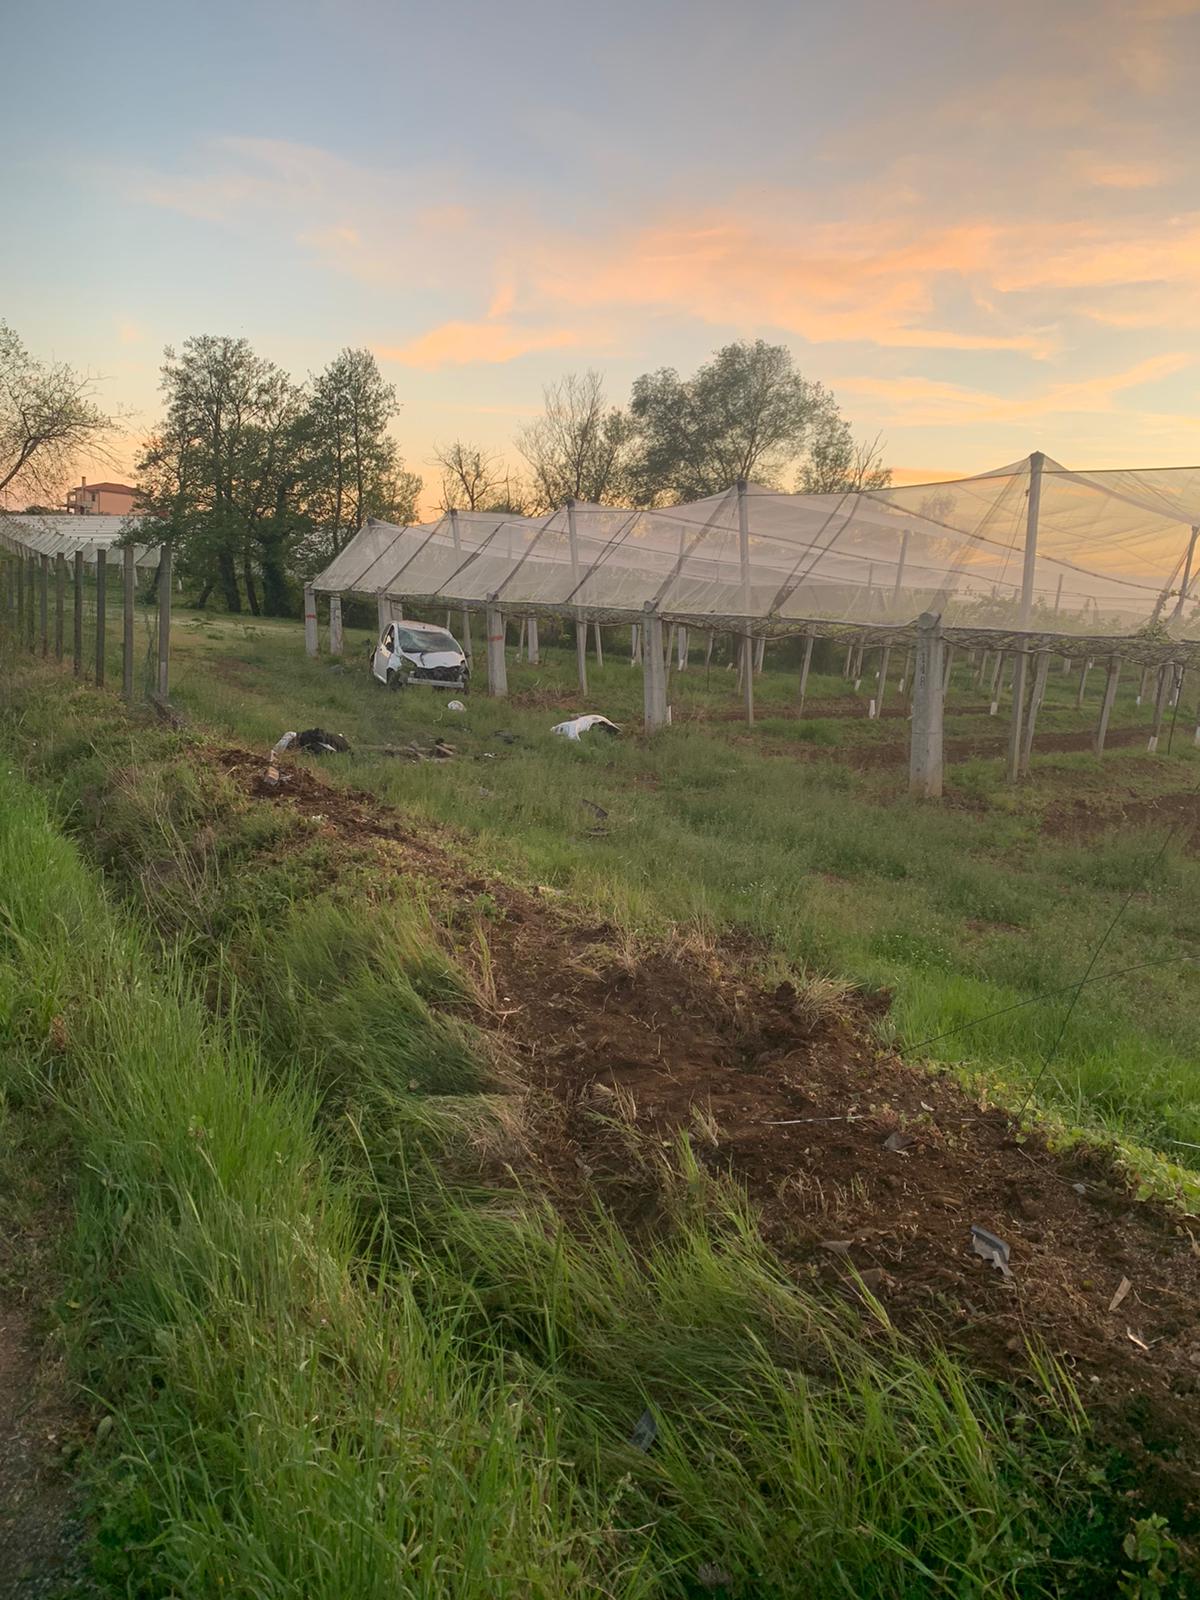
{"points": [[621, 1051]]}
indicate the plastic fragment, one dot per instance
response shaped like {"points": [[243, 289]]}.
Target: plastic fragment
{"points": [[574, 727], [645, 1431], [1123, 1289], [990, 1248], [898, 1141]]}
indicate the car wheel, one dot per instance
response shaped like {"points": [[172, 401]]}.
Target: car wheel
{"points": [[394, 680]]}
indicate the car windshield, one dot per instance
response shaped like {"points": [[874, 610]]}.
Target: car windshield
{"points": [[434, 639]]}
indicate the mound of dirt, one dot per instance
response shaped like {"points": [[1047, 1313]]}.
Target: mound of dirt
{"points": [[863, 1167]]}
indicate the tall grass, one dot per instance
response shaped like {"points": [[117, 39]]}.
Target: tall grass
{"points": [[334, 1377]]}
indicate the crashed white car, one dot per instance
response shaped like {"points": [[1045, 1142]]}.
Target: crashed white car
{"points": [[419, 653]]}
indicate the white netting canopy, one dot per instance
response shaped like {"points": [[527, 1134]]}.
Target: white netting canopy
{"points": [[1110, 551], [52, 535]]}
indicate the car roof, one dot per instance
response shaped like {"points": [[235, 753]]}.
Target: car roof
{"points": [[420, 627]]}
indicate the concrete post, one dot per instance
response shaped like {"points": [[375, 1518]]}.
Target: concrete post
{"points": [[1029, 569], [77, 619], [681, 639], [654, 674], [1083, 677], [44, 601], [1110, 695], [164, 622], [599, 643], [336, 635], [747, 636], [60, 590], [925, 758], [311, 643], [804, 666], [31, 601], [883, 672], [128, 598], [497, 670], [580, 620], [1036, 695], [531, 642], [101, 612], [383, 614], [1166, 676], [900, 567]]}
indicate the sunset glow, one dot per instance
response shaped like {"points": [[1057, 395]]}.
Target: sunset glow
{"points": [[978, 226]]}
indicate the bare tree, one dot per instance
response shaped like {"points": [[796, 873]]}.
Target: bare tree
{"points": [[837, 463], [471, 475], [580, 447], [48, 416]]}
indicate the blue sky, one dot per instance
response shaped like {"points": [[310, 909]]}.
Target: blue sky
{"points": [[979, 225]]}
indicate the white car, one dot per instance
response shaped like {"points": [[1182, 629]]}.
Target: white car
{"points": [[419, 652]]}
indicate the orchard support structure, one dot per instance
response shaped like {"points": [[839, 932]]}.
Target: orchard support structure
{"points": [[925, 757]]}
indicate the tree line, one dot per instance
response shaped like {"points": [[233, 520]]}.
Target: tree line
{"points": [[259, 481]]}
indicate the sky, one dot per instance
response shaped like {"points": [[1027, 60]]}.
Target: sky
{"points": [[978, 224]]}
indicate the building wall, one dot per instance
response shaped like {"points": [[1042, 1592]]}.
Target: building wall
{"points": [[99, 502]]}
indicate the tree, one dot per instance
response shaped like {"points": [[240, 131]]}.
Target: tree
{"points": [[224, 468], [355, 468], [837, 463], [746, 413], [580, 447], [48, 417], [470, 475]]}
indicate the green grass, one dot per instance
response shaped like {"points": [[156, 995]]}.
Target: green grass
{"points": [[331, 1372], [961, 910]]}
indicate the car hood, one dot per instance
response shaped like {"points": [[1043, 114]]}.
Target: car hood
{"points": [[434, 658]]}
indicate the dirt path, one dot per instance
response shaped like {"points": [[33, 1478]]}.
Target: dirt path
{"points": [[40, 1535]]}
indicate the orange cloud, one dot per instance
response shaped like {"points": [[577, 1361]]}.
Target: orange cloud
{"points": [[457, 344], [922, 402], [864, 282]]}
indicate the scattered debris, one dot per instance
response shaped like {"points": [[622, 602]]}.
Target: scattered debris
{"points": [[1079, 1188], [455, 705], [710, 1576], [597, 811], [315, 740], [1133, 1339], [1123, 1289], [577, 726], [899, 1141], [837, 1247], [645, 1431], [991, 1248], [505, 736], [443, 751]]}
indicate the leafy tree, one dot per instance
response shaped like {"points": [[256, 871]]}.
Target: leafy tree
{"points": [[580, 447], [747, 413], [48, 417], [355, 470], [224, 467]]}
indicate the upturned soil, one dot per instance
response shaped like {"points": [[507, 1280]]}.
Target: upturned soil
{"points": [[867, 1171]]}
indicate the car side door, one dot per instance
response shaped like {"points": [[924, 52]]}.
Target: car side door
{"points": [[383, 652]]}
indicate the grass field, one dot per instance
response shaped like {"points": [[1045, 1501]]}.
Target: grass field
{"points": [[799, 832], [338, 1360]]}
